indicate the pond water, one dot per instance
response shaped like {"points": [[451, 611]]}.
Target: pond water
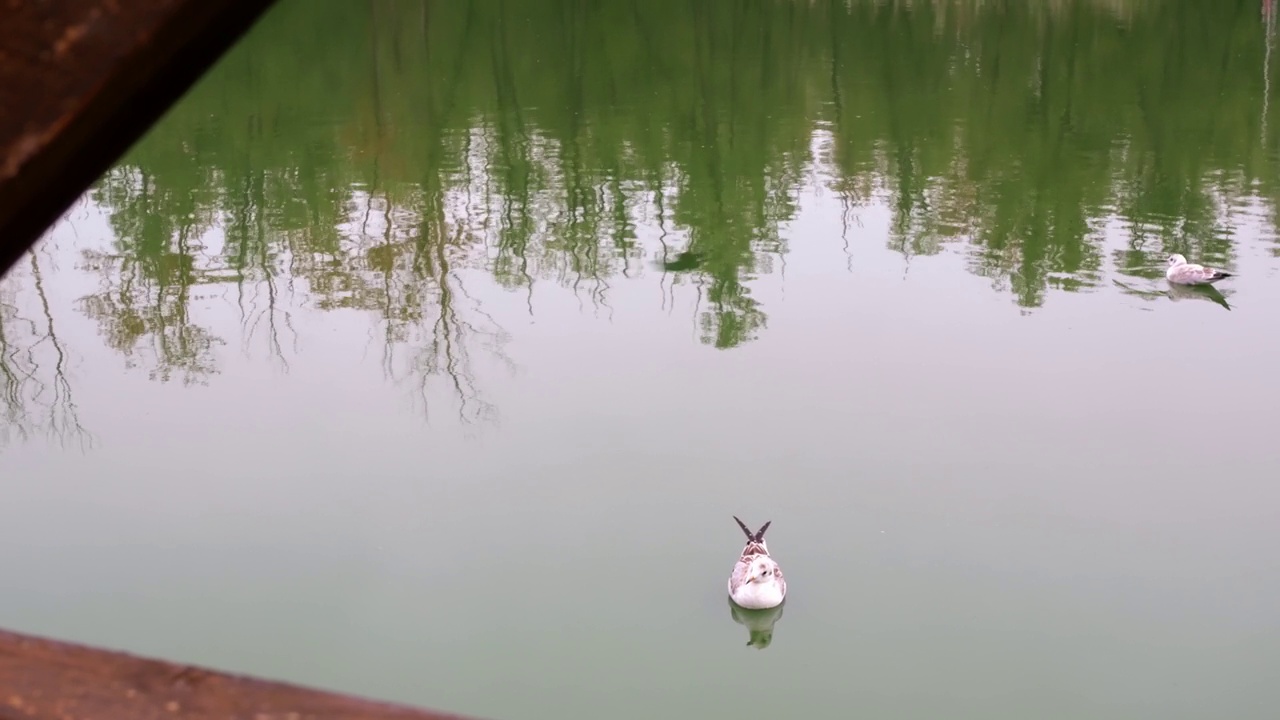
{"points": [[425, 351]]}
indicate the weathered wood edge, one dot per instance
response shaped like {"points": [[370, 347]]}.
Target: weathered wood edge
{"points": [[77, 100], [42, 678]]}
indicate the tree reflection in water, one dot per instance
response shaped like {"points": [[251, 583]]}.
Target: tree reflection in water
{"points": [[377, 156]]}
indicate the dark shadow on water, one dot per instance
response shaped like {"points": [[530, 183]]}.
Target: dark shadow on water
{"points": [[684, 262]]}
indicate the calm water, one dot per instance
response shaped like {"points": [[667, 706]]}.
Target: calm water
{"points": [[425, 350]]}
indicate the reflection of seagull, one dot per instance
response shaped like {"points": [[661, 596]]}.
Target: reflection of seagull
{"points": [[1198, 292], [1178, 292], [759, 623], [1182, 272], [687, 260], [756, 582]]}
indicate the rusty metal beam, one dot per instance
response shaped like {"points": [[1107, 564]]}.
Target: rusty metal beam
{"points": [[81, 81], [47, 679]]}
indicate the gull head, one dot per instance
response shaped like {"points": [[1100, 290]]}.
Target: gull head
{"points": [[1176, 260], [762, 570]]}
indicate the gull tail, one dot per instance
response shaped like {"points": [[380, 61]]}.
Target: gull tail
{"points": [[757, 536]]}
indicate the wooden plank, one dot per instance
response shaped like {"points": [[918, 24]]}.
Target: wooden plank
{"points": [[47, 679], [81, 80]]}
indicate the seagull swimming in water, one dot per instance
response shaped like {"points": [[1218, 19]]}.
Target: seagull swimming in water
{"points": [[756, 582], [1181, 272]]}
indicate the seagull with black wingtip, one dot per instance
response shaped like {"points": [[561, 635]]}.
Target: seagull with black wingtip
{"points": [[756, 582]]}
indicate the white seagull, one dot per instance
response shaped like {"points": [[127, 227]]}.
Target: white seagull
{"points": [[756, 582], [1181, 272]]}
